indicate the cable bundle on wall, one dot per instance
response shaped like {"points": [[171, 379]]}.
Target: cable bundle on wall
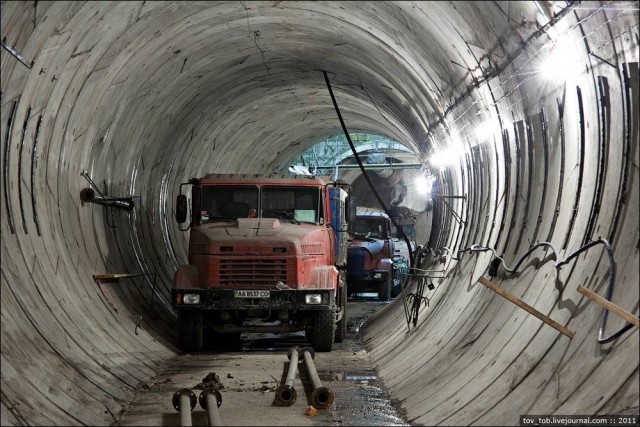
{"points": [[559, 262]]}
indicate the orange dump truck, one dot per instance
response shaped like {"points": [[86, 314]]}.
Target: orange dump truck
{"points": [[265, 255]]}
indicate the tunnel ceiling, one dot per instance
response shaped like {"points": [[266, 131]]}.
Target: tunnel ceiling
{"points": [[214, 78]]}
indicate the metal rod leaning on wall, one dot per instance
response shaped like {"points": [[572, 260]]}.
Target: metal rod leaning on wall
{"points": [[184, 400], [210, 400], [115, 277], [285, 394], [610, 306], [321, 397], [517, 301]]}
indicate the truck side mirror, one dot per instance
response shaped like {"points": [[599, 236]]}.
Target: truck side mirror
{"points": [[181, 208], [350, 209]]}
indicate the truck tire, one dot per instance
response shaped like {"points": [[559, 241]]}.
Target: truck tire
{"points": [[341, 326], [190, 330], [324, 330], [384, 289]]}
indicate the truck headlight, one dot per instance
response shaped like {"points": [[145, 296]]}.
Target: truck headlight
{"points": [[313, 299], [191, 299], [377, 276]]}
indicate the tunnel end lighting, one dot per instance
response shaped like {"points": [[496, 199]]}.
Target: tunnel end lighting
{"points": [[423, 184], [448, 156]]}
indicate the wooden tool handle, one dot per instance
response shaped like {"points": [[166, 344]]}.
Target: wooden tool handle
{"points": [[517, 301]]}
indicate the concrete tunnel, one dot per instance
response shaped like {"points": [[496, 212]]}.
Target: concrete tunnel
{"points": [[142, 96]]}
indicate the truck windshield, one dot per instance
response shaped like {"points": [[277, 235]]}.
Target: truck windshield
{"points": [[375, 227], [225, 202], [301, 204], [230, 202]]}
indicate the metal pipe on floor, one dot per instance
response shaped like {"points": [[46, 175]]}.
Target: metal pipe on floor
{"points": [[285, 394], [321, 397], [184, 400], [210, 400]]}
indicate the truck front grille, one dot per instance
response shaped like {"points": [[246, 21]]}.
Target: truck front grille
{"points": [[253, 271]]}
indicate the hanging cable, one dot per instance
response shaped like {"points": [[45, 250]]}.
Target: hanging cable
{"points": [[364, 171]]}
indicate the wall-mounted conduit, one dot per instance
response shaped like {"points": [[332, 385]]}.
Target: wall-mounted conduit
{"points": [[545, 179], [20, 178], [472, 184], [561, 176], [5, 169], [576, 202], [525, 144], [630, 76], [507, 182], [478, 191], [34, 162], [516, 193], [436, 189], [601, 171]]}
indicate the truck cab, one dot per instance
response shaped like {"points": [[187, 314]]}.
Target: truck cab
{"points": [[264, 256], [370, 255]]}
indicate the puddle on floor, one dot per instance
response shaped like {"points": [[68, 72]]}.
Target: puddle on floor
{"points": [[368, 375], [360, 400]]}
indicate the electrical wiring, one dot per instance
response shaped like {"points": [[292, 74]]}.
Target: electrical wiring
{"points": [[559, 262]]}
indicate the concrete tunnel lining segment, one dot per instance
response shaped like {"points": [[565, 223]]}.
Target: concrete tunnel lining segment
{"points": [[145, 95]]}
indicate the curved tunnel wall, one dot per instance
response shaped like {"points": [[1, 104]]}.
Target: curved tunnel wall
{"points": [[144, 95]]}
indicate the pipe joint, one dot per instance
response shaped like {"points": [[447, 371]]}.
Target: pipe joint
{"points": [[205, 393], [286, 395], [186, 393]]}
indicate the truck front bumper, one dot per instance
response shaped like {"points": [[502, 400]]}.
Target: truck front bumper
{"points": [[228, 299], [367, 282]]}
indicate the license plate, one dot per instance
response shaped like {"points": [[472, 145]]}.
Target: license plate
{"points": [[252, 294]]}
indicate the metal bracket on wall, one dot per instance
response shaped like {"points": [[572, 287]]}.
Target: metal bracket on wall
{"points": [[15, 54], [88, 195], [456, 216], [113, 278]]}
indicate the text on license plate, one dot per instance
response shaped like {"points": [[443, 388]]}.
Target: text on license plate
{"points": [[251, 294]]}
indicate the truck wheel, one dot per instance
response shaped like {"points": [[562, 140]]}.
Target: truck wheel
{"points": [[324, 330], [190, 331], [341, 327], [384, 289]]}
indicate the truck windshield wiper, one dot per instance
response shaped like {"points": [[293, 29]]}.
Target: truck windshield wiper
{"points": [[282, 214], [220, 218]]}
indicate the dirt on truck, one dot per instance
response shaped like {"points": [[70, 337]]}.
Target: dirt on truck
{"points": [[266, 254], [370, 255]]}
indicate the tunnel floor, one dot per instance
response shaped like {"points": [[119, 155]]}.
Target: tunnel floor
{"points": [[251, 374]]}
